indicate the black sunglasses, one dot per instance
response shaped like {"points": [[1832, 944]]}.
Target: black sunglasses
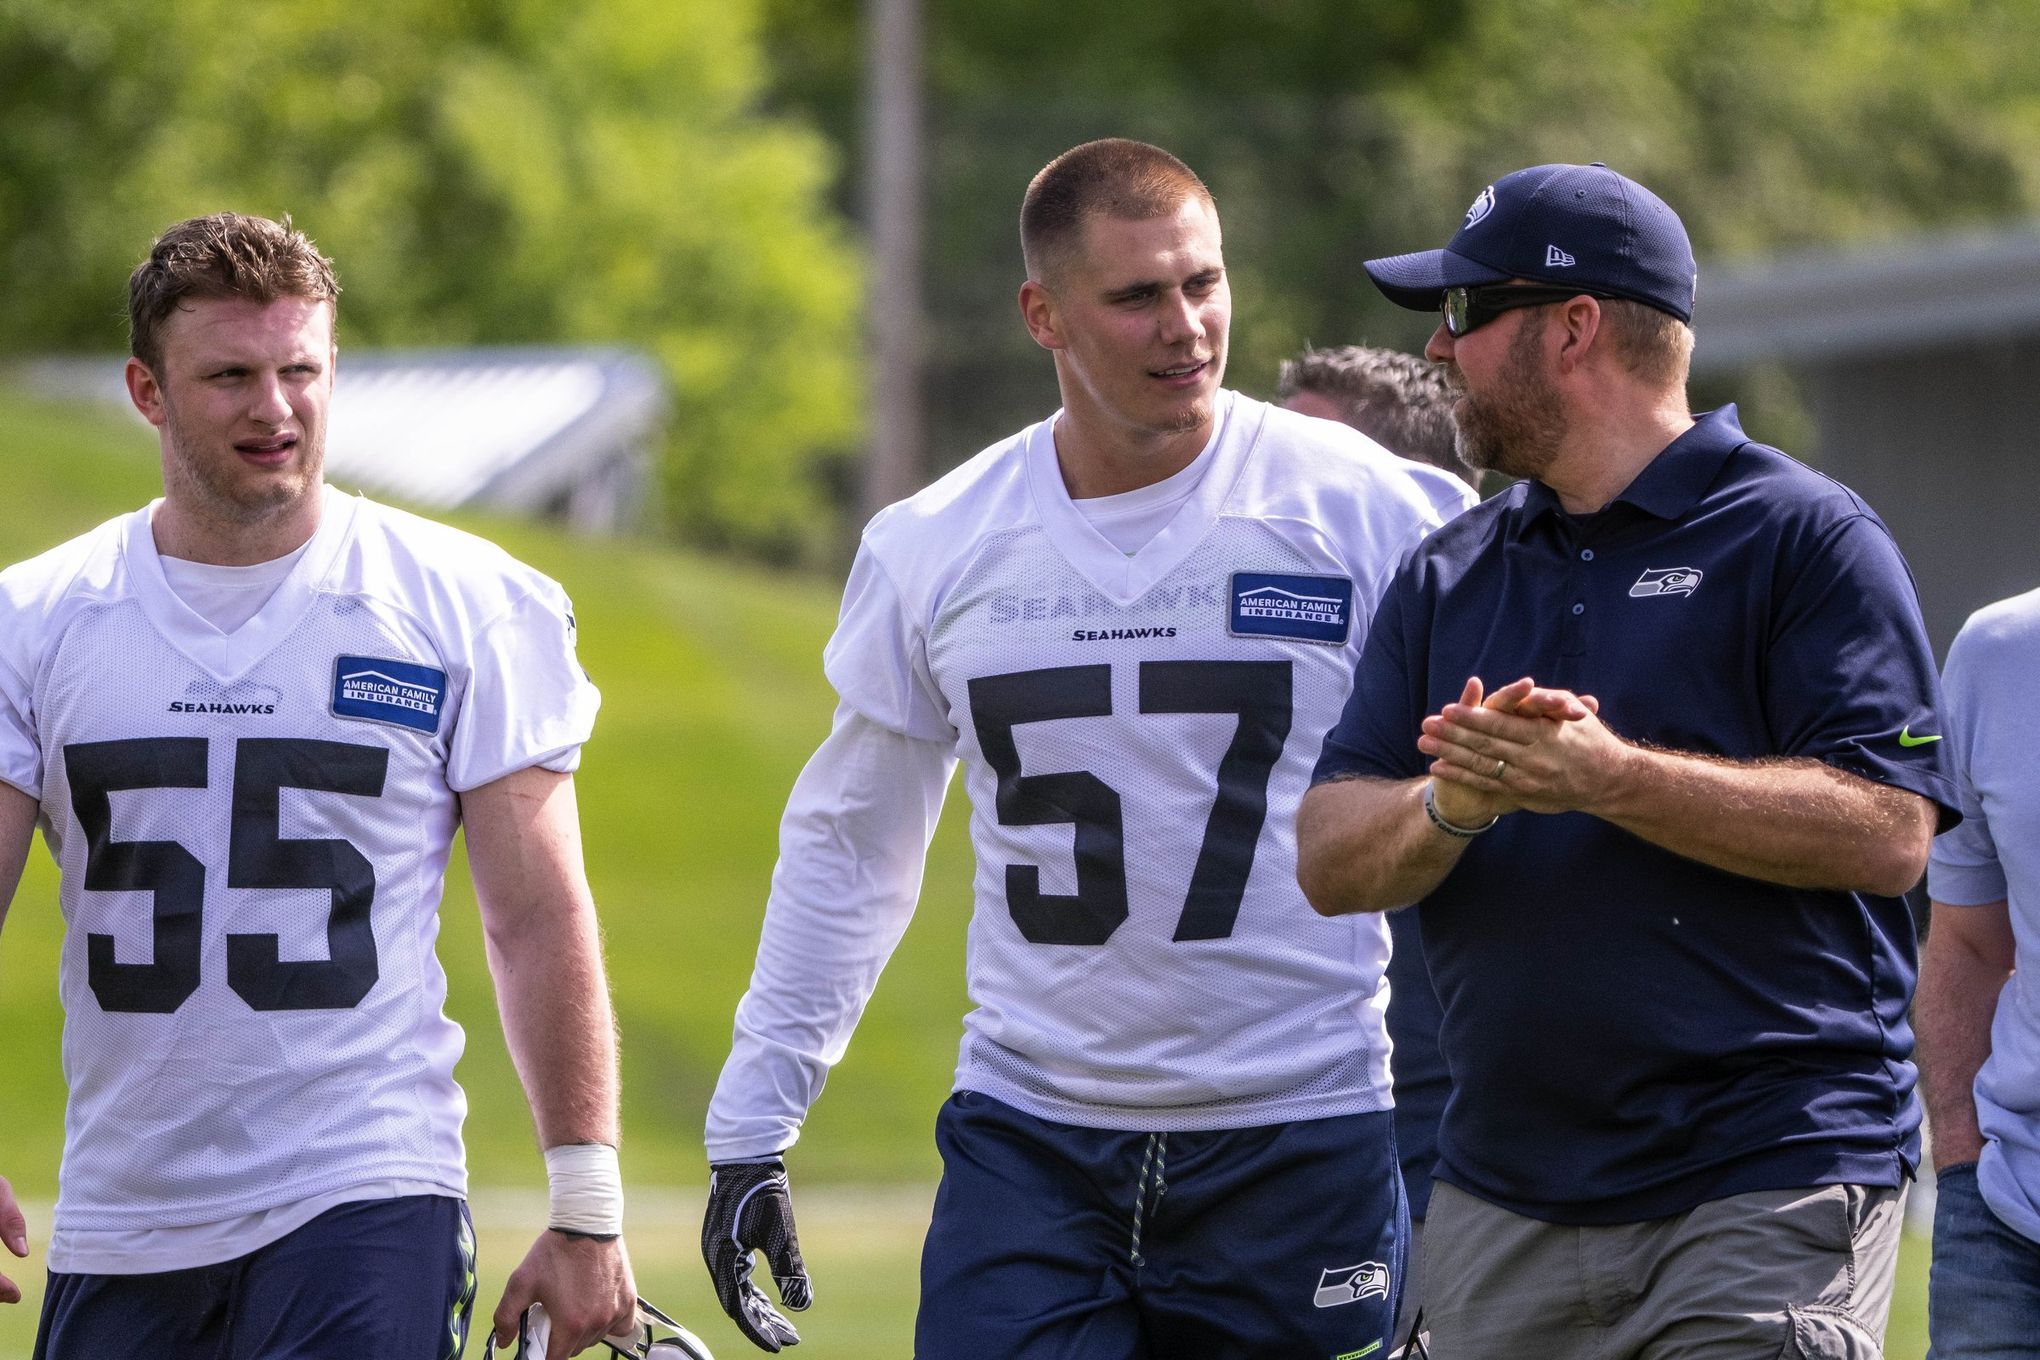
{"points": [[1468, 309]]}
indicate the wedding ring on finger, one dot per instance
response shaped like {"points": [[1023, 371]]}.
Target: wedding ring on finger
{"points": [[1500, 766]]}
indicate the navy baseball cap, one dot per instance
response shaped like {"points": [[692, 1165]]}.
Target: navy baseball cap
{"points": [[1559, 224]]}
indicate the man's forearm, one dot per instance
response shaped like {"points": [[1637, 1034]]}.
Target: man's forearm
{"points": [[561, 1031], [852, 846], [545, 951], [1796, 822], [524, 847], [17, 833], [1963, 969], [1367, 845]]}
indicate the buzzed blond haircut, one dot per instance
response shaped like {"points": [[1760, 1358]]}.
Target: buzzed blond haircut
{"points": [[1112, 177]]}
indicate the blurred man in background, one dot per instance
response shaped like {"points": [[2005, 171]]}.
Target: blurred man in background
{"points": [[250, 718], [1404, 404], [1400, 401], [1674, 963], [1979, 1023], [1133, 622]]}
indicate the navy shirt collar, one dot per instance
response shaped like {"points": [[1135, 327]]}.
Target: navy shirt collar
{"points": [[1671, 483]]}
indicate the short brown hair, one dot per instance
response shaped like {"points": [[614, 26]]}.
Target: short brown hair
{"points": [[221, 256], [1114, 176], [1399, 401], [1654, 346]]}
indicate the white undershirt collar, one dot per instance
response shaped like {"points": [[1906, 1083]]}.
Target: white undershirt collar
{"points": [[227, 597], [1126, 564]]}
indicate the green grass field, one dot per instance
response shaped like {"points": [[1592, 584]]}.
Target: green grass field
{"points": [[712, 698]]}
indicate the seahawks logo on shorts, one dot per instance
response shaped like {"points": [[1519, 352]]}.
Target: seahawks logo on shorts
{"points": [[1350, 1284]]}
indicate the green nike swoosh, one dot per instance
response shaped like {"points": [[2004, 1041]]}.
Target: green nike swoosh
{"points": [[1906, 738]]}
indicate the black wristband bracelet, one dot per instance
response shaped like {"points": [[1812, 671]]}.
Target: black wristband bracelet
{"points": [[585, 1236], [1452, 829]]}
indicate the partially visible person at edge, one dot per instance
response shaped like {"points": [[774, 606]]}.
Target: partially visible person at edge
{"points": [[250, 717], [1979, 1022], [1658, 870], [1403, 403], [1133, 622]]}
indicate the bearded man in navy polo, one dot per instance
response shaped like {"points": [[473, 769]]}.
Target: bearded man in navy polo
{"points": [[1658, 869]]}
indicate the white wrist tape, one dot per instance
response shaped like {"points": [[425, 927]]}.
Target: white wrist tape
{"points": [[587, 1189]]}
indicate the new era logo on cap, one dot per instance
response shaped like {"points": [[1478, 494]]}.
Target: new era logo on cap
{"points": [[1557, 258]]}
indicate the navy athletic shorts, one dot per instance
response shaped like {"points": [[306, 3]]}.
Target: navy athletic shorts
{"points": [[1052, 1242], [386, 1277]]}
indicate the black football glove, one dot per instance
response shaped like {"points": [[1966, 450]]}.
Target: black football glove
{"points": [[751, 1209]]}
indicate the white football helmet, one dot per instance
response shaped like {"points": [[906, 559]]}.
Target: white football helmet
{"points": [[654, 1337]]}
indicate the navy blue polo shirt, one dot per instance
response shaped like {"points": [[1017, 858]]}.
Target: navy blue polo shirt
{"points": [[1631, 1033], [1421, 1079]]}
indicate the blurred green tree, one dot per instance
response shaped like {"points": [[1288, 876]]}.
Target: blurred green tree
{"points": [[482, 171], [1332, 131], [1276, 103]]}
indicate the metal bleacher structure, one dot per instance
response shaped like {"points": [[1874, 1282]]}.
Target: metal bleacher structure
{"points": [[1914, 360], [565, 433]]}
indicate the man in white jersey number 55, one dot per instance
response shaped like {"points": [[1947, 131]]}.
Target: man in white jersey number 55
{"points": [[249, 718], [1134, 623]]}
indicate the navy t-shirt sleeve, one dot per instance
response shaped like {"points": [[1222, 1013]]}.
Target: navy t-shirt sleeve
{"points": [[1376, 735], [1850, 677]]}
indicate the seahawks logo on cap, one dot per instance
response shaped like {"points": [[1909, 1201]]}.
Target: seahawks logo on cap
{"points": [[1482, 206]]}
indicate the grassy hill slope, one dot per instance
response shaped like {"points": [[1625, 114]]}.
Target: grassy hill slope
{"points": [[712, 698]]}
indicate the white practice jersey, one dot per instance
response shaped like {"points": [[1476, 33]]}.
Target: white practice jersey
{"points": [[1137, 731], [252, 830]]}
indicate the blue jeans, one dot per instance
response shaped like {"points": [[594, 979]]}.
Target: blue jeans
{"points": [[1983, 1297]]}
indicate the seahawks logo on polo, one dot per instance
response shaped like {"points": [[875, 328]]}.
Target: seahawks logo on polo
{"points": [[1277, 604], [377, 689], [1350, 1284], [1666, 581]]}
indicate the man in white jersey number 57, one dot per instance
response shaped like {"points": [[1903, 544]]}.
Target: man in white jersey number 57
{"points": [[249, 718], [1134, 623]]}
